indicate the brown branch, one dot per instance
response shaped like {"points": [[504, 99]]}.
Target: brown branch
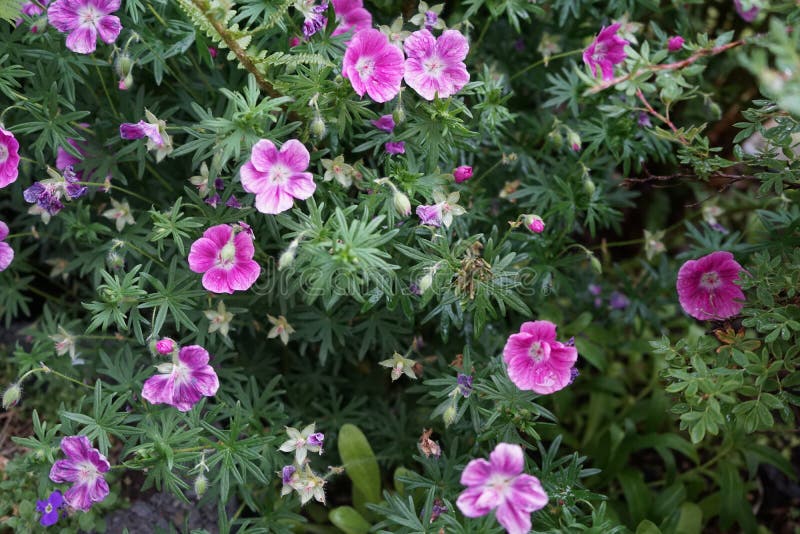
{"points": [[661, 117]]}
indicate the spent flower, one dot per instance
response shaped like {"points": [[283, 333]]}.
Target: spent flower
{"points": [[301, 442], [219, 320], [154, 129], [120, 213]]}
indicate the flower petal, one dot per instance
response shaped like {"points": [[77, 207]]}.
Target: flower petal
{"points": [[507, 459], [82, 40], [476, 473]]}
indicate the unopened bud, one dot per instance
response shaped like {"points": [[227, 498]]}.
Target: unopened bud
{"points": [[399, 114], [534, 223], [165, 346], [588, 186], [449, 415], [200, 485], [402, 204], [462, 173], [595, 263], [124, 65], [425, 283], [125, 83], [287, 258], [115, 261], [318, 128], [12, 395], [574, 141]]}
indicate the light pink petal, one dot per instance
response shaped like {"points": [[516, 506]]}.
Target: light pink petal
{"points": [[476, 473], [79, 497], [62, 16], [243, 275], [216, 280], [193, 356], [468, 503], [98, 490], [76, 447], [253, 180], [3, 230], [507, 459], [158, 389], [515, 521], [300, 186], [452, 45], [264, 155], [547, 379], [295, 155], [274, 200], [540, 330], [202, 255], [82, 40], [456, 77], [64, 471], [219, 234], [244, 246], [562, 356], [527, 494], [420, 44], [109, 28], [206, 381]]}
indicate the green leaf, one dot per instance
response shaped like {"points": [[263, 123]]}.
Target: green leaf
{"points": [[690, 520], [359, 462], [647, 527], [637, 494], [349, 520]]}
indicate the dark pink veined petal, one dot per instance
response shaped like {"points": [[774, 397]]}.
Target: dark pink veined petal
{"points": [[243, 275], [76, 447], [78, 497], [420, 44], [206, 381], [540, 330], [295, 155], [452, 46], [202, 255], [253, 180], [274, 200], [219, 234], [469, 503], [82, 40], [64, 471], [106, 6], [476, 473], [264, 155], [193, 356], [563, 356], [527, 494], [97, 490], [244, 247], [186, 395], [517, 346], [158, 389], [514, 520], [300, 186], [216, 281], [109, 27], [507, 459], [63, 16], [456, 77]]}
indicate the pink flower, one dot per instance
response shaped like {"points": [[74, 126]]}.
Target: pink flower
{"points": [[500, 485], [278, 177], [351, 14], [212, 51], [707, 287], [395, 147], [6, 252], [84, 20], [675, 43], [294, 41], [385, 123], [165, 346], [373, 65], [225, 255], [536, 361], [9, 158], [430, 215], [534, 223], [436, 66], [748, 15], [184, 381], [462, 173], [607, 50], [32, 9], [85, 467], [64, 159], [138, 130]]}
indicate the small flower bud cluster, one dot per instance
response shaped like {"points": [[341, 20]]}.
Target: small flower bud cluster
{"points": [[298, 477]]}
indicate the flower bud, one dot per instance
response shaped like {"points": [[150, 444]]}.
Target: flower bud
{"points": [[287, 258], [675, 43], [425, 283], [399, 113], [165, 346], [449, 415], [462, 173], [318, 128], [12, 395], [125, 83], [588, 186], [115, 261], [534, 223], [402, 204], [200, 485], [123, 65], [574, 141], [595, 263]]}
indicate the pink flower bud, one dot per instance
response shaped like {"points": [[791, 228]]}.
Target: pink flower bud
{"points": [[165, 346], [294, 41], [534, 223], [212, 52], [675, 43], [462, 173]]}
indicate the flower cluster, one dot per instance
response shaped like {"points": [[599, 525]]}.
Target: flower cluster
{"points": [[47, 194], [298, 476]]}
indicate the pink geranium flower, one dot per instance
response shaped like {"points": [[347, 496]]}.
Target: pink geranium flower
{"points": [[183, 382], [373, 65], [9, 158], [675, 43], [6, 252], [84, 466], [707, 287], [436, 66], [351, 14], [607, 50], [535, 361], [500, 485], [225, 255], [278, 177], [84, 20]]}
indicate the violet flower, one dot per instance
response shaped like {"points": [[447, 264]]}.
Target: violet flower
{"points": [[49, 508], [184, 381], [85, 467]]}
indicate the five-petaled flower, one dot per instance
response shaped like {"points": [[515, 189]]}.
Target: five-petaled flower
{"points": [[442, 212], [6, 252], [280, 328], [85, 467], [373, 65], [707, 287], [84, 20], [225, 255], [49, 508], [351, 14], [501, 485], [154, 129], [120, 213], [184, 381], [607, 50], [435, 67], [400, 366], [219, 320], [536, 361], [277, 177], [301, 442]]}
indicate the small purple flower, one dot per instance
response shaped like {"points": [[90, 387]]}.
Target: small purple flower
{"points": [[644, 120], [748, 15], [570, 342], [286, 473], [430, 215], [213, 200], [464, 384], [573, 374], [315, 19], [414, 289], [618, 301], [316, 439], [49, 508], [219, 185], [138, 130], [47, 194], [85, 467], [74, 188], [595, 289], [675, 43], [233, 203], [430, 20], [395, 147], [385, 123], [719, 228], [438, 509]]}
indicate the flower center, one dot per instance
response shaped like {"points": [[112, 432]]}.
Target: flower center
{"points": [[365, 67], [87, 472], [433, 65], [89, 15], [539, 351], [279, 174], [226, 255], [3, 153], [499, 483], [181, 373], [48, 508], [710, 280]]}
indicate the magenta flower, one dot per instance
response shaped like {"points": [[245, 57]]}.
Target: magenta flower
{"points": [[294, 41], [385, 123], [84, 20], [607, 50], [675, 43], [462, 173], [49, 508], [278, 177], [707, 287], [6, 252], [535, 361], [9, 158], [225, 255], [138, 130], [435, 67], [748, 14], [395, 147], [534, 223], [183, 382], [500, 485], [85, 467], [373, 65], [165, 346], [351, 14]]}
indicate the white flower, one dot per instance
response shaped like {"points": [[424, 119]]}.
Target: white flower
{"points": [[121, 213], [400, 365], [301, 442], [219, 320], [282, 328]]}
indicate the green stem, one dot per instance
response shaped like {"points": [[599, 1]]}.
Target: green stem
{"points": [[120, 189], [105, 90], [45, 369], [547, 59]]}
